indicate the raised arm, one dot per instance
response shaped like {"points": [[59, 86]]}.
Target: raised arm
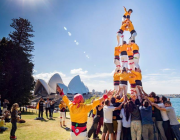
{"points": [[160, 108], [120, 106], [141, 95], [125, 9], [144, 92], [148, 100]]}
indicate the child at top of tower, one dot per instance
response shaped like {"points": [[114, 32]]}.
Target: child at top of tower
{"points": [[127, 14]]}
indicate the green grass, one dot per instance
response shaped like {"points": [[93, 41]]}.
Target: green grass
{"points": [[40, 130]]}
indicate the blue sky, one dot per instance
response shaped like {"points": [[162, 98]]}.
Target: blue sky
{"points": [[93, 24]]}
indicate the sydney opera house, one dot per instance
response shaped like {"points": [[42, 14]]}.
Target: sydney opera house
{"points": [[46, 89]]}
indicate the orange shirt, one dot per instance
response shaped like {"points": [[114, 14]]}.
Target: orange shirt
{"points": [[117, 51], [124, 76], [116, 76], [131, 27], [129, 50], [135, 46], [123, 27], [132, 79], [123, 47], [138, 75]]}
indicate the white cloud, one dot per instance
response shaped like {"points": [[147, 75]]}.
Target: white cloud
{"points": [[77, 43], [69, 33], [84, 52], [78, 71], [65, 28], [74, 40], [167, 69], [47, 76], [34, 71], [87, 56]]}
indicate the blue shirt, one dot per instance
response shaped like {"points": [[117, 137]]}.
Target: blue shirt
{"points": [[146, 114]]}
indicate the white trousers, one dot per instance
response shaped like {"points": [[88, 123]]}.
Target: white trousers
{"points": [[133, 36], [120, 35], [136, 60], [138, 94], [62, 116], [81, 136], [124, 60], [131, 64], [118, 64], [116, 87], [119, 129], [124, 89]]}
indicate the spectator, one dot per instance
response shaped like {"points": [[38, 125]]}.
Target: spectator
{"points": [[47, 106], [7, 116], [5, 105], [172, 117], [2, 123], [41, 103], [51, 108], [147, 122]]}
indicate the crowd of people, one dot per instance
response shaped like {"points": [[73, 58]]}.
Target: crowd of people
{"points": [[12, 116], [136, 116]]}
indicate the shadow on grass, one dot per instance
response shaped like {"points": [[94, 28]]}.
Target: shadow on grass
{"points": [[28, 113], [44, 120]]}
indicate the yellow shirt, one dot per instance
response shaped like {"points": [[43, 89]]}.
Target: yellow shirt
{"points": [[131, 27], [2, 123], [135, 46], [117, 51], [132, 79], [129, 50], [124, 76], [137, 74], [152, 100], [94, 111], [79, 115], [120, 101], [123, 47], [116, 76], [123, 27], [61, 106]]}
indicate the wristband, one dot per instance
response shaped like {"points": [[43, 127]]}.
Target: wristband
{"points": [[62, 93], [105, 96]]}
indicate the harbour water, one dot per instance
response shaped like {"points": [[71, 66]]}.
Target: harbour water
{"points": [[176, 104]]}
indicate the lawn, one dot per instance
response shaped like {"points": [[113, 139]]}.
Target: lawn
{"points": [[40, 130]]}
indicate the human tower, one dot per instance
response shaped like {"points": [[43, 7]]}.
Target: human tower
{"points": [[126, 59]]}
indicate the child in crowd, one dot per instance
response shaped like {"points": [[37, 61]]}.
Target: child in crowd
{"points": [[2, 123], [62, 107], [14, 119]]}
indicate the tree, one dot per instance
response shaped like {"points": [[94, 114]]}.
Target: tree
{"points": [[16, 67], [22, 34]]}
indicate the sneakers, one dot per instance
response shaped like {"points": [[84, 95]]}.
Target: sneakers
{"points": [[13, 137]]}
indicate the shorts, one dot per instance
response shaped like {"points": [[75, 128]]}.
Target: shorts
{"points": [[108, 127], [115, 125]]}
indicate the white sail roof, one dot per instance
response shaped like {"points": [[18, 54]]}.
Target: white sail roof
{"points": [[56, 78]]}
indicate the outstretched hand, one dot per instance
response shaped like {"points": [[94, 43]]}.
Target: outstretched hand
{"points": [[109, 93], [59, 90]]}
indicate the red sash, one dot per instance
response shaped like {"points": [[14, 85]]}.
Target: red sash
{"points": [[77, 130]]}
